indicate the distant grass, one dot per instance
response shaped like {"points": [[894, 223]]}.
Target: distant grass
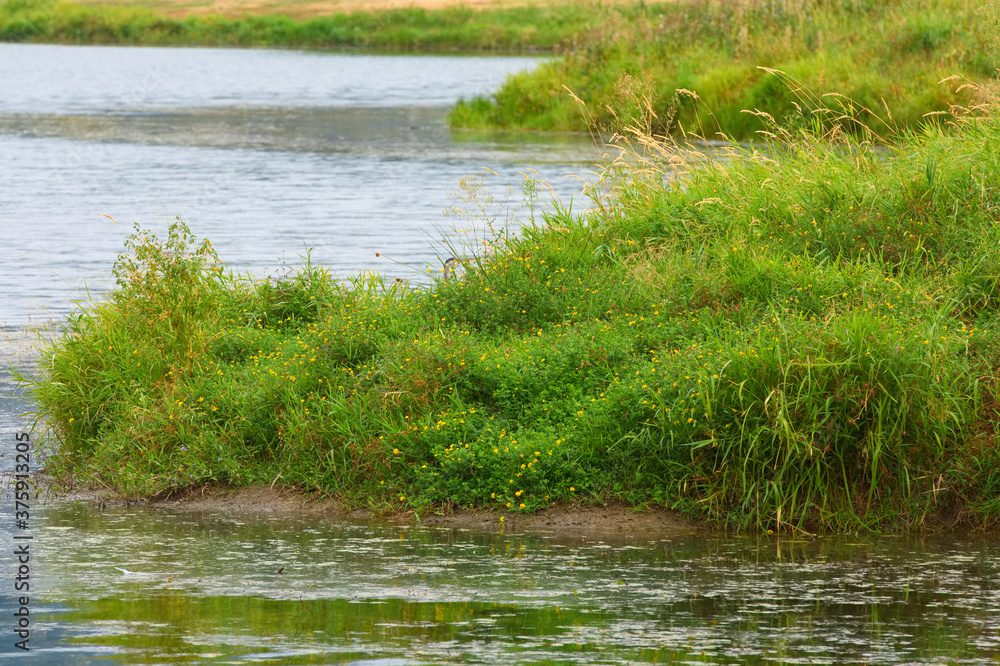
{"points": [[805, 336], [460, 29], [695, 66], [689, 66]]}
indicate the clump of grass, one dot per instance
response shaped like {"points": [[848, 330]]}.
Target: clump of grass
{"points": [[893, 52], [801, 336]]}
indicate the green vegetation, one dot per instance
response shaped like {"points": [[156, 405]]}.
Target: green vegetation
{"points": [[696, 65], [806, 336], [457, 29], [692, 66]]}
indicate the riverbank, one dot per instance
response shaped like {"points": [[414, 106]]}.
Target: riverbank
{"points": [[697, 67], [807, 342], [302, 10], [459, 28], [608, 521], [671, 67]]}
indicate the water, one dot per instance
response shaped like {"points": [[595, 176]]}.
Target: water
{"points": [[165, 586], [99, 80], [270, 154]]}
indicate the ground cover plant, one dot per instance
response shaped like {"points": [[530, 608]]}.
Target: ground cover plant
{"points": [[801, 335], [698, 65]]}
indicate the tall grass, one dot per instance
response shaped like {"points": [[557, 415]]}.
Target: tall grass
{"points": [[803, 336], [879, 54]]}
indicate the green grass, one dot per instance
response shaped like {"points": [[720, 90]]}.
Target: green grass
{"points": [[457, 29], [801, 336], [696, 66], [691, 66]]}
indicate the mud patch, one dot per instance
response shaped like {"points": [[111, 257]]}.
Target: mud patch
{"points": [[615, 520]]}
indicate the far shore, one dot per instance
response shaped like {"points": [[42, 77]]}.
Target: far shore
{"points": [[307, 9]]}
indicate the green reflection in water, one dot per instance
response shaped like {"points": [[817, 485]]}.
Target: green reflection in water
{"points": [[387, 132], [213, 587], [173, 627]]}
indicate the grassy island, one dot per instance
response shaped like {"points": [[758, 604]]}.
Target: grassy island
{"points": [[804, 334]]}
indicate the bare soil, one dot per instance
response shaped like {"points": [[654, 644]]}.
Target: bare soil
{"points": [[610, 520]]}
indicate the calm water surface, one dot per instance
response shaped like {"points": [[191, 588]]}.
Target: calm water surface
{"points": [[270, 154], [137, 586]]}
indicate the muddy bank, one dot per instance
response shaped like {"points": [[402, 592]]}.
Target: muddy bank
{"points": [[609, 520]]}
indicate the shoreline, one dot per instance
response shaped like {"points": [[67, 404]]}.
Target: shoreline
{"points": [[309, 9], [610, 520]]}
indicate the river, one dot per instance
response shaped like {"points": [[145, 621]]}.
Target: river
{"points": [[269, 154], [274, 155]]}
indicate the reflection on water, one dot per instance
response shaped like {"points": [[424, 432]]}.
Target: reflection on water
{"points": [[399, 133], [148, 586]]}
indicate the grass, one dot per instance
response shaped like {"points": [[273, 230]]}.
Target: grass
{"points": [[800, 336], [697, 65], [457, 29], [689, 66]]}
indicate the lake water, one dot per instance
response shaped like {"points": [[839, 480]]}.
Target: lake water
{"points": [[271, 154]]}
